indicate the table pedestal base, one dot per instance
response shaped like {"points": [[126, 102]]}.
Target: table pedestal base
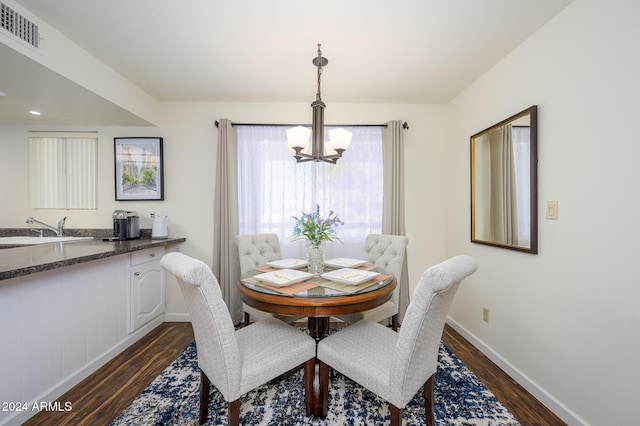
{"points": [[318, 329]]}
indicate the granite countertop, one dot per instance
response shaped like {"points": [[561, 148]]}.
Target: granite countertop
{"points": [[25, 260]]}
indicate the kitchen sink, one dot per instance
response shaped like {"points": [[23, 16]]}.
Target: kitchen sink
{"points": [[22, 241]]}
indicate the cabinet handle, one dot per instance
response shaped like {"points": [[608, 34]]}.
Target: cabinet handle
{"points": [[137, 274]]}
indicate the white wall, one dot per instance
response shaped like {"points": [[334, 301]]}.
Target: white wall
{"points": [[13, 172], [566, 319]]}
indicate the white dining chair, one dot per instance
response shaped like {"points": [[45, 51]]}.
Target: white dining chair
{"points": [[387, 252], [236, 361], [393, 365], [256, 250]]}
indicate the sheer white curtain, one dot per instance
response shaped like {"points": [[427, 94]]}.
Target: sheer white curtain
{"points": [[272, 188], [521, 155]]}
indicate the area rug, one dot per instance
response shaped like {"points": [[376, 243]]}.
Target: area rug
{"points": [[173, 399]]}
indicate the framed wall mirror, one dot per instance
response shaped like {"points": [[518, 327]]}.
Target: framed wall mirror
{"points": [[504, 186]]}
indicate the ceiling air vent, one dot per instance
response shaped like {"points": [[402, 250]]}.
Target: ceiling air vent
{"points": [[18, 25]]}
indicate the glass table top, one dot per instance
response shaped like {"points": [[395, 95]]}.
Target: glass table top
{"points": [[317, 287]]}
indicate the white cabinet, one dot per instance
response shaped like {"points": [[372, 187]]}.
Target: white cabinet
{"points": [[146, 282], [59, 326]]}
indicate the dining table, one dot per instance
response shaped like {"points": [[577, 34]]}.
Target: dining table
{"points": [[317, 297]]}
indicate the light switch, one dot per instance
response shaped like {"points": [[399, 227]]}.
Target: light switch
{"points": [[552, 210]]}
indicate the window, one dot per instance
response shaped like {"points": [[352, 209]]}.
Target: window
{"points": [[62, 170], [273, 188]]}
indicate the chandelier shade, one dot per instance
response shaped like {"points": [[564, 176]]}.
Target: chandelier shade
{"points": [[340, 138], [298, 137]]}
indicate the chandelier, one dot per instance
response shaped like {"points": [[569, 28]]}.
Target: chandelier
{"points": [[298, 137]]}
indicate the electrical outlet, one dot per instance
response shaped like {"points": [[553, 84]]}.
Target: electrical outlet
{"points": [[166, 216], [485, 314]]}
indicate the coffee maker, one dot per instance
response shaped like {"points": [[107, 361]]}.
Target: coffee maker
{"points": [[126, 225]]}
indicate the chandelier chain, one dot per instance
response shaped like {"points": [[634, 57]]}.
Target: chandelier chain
{"points": [[298, 137], [318, 96]]}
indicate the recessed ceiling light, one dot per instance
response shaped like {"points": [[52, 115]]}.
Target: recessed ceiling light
{"points": [[34, 112], [2, 94]]}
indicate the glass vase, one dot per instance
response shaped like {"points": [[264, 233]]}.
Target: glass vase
{"points": [[315, 257]]}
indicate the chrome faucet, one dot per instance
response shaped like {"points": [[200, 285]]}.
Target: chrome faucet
{"points": [[61, 226], [59, 231]]}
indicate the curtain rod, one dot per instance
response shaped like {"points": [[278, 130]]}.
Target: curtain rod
{"points": [[405, 125]]}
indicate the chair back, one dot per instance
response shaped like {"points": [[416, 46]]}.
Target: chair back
{"points": [[416, 353], [257, 249], [387, 251], [218, 350]]}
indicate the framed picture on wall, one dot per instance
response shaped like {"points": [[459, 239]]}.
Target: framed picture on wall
{"points": [[138, 166]]}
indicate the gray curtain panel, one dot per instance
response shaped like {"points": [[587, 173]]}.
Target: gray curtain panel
{"points": [[393, 219], [504, 207], [226, 265]]}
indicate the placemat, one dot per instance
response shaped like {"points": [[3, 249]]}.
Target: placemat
{"points": [[348, 288], [288, 290]]}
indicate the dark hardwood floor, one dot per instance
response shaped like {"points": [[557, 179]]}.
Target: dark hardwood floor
{"points": [[102, 396], [527, 409]]}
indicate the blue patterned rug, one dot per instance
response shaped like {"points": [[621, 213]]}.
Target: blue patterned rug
{"points": [[173, 399]]}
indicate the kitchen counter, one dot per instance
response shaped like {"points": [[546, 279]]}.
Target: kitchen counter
{"points": [[19, 261]]}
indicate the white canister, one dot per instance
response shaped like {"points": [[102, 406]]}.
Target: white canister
{"points": [[159, 230]]}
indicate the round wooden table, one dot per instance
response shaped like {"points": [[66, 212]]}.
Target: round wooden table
{"points": [[318, 308]]}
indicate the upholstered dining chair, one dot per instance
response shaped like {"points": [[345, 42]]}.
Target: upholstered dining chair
{"points": [[393, 365], [385, 251], [236, 361], [256, 250]]}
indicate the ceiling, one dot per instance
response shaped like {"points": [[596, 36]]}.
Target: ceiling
{"points": [[31, 86], [379, 51]]}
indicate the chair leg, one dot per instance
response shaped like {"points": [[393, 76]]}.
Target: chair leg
{"points": [[396, 415], [205, 386], [234, 413], [394, 322], [309, 373], [428, 401], [323, 397]]}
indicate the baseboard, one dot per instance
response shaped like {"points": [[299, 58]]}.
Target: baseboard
{"points": [[176, 317], [57, 390], [548, 400]]}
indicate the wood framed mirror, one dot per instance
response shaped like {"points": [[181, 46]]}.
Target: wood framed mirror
{"points": [[504, 183]]}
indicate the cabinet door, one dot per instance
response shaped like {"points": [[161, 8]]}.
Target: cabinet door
{"points": [[147, 293]]}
